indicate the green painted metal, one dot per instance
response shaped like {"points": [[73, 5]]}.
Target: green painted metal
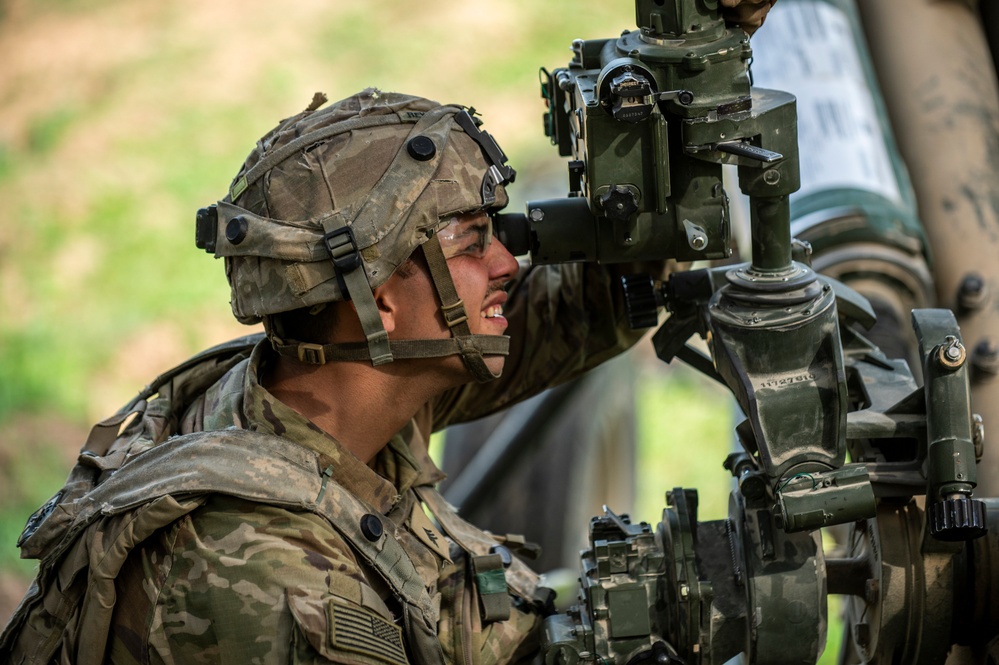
{"points": [[836, 431]]}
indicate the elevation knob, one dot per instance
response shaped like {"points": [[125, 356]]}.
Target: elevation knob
{"points": [[957, 519], [619, 203], [641, 301]]}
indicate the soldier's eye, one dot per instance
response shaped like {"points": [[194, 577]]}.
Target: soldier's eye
{"points": [[466, 236]]}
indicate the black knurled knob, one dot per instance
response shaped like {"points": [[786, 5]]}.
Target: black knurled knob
{"points": [[619, 203], [640, 301], [957, 519]]}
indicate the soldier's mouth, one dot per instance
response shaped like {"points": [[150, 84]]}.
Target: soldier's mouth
{"points": [[496, 311]]}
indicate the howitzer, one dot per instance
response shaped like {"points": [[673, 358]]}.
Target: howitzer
{"points": [[835, 431]]}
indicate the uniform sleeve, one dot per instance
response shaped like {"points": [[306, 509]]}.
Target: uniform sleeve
{"points": [[564, 320], [242, 582]]}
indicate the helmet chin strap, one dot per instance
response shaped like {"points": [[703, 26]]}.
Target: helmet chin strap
{"points": [[353, 282], [471, 348], [455, 315]]}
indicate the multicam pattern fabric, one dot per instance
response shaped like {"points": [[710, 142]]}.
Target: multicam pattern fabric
{"points": [[362, 173], [235, 580]]}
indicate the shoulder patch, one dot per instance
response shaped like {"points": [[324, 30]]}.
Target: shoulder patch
{"points": [[358, 630], [424, 529]]}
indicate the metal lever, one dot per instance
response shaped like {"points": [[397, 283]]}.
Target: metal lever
{"points": [[685, 97], [743, 149]]}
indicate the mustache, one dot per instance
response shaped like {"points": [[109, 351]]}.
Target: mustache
{"points": [[498, 285]]}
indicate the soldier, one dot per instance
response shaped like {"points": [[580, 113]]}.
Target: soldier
{"points": [[366, 220], [399, 191], [268, 500]]}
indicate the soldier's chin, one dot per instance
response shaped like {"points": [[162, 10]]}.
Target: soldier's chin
{"points": [[495, 363]]}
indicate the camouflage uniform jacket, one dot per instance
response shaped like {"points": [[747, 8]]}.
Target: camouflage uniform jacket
{"points": [[251, 582], [233, 579]]}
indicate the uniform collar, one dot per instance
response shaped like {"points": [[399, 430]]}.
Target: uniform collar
{"points": [[402, 464]]}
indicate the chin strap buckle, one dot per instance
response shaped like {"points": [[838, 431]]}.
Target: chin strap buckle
{"points": [[344, 254], [454, 314], [311, 354]]}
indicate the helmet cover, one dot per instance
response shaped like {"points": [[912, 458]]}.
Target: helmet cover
{"points": [[370, 163]]}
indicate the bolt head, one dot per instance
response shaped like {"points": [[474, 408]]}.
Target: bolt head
{"points": [[972, 292], [985, 359], [951, 354]]}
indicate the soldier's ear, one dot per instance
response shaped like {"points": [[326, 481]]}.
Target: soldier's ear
{"points": [[387, 298]]}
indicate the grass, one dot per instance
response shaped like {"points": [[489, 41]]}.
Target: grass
{"points": [[685, 431]]}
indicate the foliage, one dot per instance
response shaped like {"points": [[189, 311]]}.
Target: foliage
{"points": [[685, 431], [28, 477]]}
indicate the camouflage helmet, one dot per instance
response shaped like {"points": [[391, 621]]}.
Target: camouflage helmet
{"points": [[333, 200]]}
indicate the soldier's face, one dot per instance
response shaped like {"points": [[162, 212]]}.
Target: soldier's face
{"points": [[480, 266]]}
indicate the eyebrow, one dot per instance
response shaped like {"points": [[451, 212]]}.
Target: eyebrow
{"points": [[469, 228]]}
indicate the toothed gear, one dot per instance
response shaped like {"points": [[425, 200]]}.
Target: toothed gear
{"points": [[957, 519], [640, 301]]}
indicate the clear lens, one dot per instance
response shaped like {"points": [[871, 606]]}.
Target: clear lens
{"points": [[469, 234]]}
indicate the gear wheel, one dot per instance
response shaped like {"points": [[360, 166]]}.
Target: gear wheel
{"points": [[641, 301], [957, 519]]}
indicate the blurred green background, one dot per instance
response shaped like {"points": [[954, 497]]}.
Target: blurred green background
{"points": [[119, 119]]}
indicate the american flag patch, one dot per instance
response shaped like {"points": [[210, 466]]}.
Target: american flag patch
{"points": [[355, 629]]}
